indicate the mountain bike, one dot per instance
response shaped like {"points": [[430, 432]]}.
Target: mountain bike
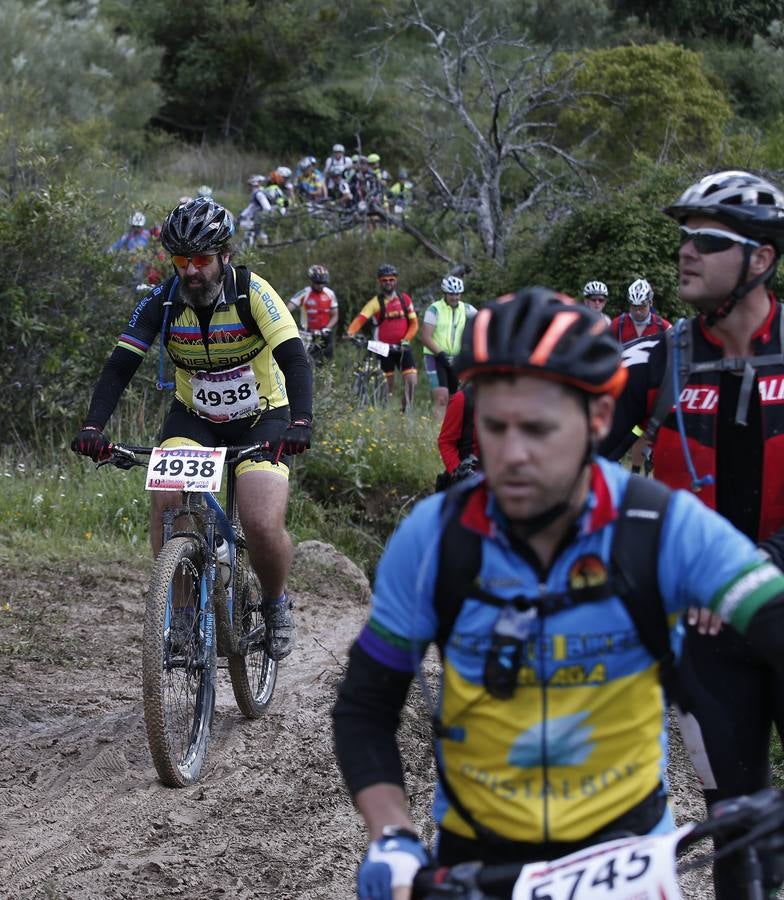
{"points": [[751, 827], [316, 345], [204, 601], [369, 384]]}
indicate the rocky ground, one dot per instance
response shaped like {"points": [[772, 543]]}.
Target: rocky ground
{"points": [[83, 815]]}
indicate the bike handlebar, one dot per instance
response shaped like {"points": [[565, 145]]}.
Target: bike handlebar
{"points": [[750, 821], [126, 456]]}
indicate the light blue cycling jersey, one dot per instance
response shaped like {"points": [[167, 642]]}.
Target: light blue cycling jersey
{"points": [[583, 739]]}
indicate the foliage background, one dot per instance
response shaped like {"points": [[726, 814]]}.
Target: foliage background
{"points": [[108, 106]]}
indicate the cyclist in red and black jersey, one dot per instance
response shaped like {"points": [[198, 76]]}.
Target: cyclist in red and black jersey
{"points": [[318, 306], [395, 322], [640, 320], [722, 433]]}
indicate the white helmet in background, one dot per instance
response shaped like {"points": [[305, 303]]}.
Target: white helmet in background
{"points": [[640, 292], [452, 285], [284, 171], [204, 191], [595, 289], [338, 148], [256, 180], [137, 219]]}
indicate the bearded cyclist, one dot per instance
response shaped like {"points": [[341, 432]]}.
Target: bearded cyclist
{"points": [[552, 720], [211, 345]]}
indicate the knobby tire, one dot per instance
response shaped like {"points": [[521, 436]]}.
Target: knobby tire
{"points": [[178, 688], [253, 674]]}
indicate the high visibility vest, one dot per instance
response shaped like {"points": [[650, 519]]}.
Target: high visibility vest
{"points": [[449, 328]]}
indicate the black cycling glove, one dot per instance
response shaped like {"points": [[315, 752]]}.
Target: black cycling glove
{"points": [[91, 442], [296, 438]]}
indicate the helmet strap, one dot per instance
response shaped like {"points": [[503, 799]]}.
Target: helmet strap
{"points": [[743, 287]]}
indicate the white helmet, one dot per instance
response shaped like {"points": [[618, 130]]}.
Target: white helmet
{"points": [[452, 285], [284, 171], [204, 191], [595, 289], [640, 292], [338, 148], [256, 180], [137, 219]]}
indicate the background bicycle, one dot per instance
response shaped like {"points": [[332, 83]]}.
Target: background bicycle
{"points": [[317, 345], [204, 601], [369, 384]]}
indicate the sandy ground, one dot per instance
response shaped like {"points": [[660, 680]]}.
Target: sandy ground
{"points": [[82, 814]]}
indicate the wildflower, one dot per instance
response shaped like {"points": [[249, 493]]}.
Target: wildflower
{"points": [[88, 535], [38, 500]]}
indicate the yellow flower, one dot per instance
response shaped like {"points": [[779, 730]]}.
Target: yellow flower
{"points": [[88, 535]]}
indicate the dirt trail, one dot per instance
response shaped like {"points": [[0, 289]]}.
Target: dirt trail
{"points": [[83, 815]]}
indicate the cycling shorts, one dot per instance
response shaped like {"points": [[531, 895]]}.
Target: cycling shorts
{"points": [[184, 428], [436, 375], [402, 359]]}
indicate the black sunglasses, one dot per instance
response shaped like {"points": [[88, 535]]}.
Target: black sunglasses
{"points": [[712, 240]]}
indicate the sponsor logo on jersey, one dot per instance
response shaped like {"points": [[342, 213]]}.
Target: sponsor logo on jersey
{"points": [[586, 572], [699, 399], [771, 389]]}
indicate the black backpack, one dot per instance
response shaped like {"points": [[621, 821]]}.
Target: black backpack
{"points": [[633, 576]]}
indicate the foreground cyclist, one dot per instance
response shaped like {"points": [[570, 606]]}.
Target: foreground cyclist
{"points": [[240, 379], [561, 741]]}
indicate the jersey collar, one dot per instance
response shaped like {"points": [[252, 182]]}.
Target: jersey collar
{"points": [[482, 514]]}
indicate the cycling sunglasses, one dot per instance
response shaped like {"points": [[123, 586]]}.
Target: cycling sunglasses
{"points": [[712, 240], [199, 261]]}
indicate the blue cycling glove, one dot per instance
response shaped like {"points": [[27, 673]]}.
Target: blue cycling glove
{"points": [[390, 862]]}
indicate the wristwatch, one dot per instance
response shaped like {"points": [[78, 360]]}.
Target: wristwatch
{"points": [[398, 831]]}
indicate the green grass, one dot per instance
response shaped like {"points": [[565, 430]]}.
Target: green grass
{"points": [[365, 470]]}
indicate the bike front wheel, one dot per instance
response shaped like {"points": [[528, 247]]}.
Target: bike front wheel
{"points": [[178, 665], [253, 674]]}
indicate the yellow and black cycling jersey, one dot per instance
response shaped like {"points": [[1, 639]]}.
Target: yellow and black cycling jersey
{"points": [[225, 358]]}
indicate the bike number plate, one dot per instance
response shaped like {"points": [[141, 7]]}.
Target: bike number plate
{"points": [[379, 347], [186, 469], [636, 868]]}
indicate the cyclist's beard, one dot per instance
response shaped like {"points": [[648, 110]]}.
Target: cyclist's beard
{"points": [[199, 291]]}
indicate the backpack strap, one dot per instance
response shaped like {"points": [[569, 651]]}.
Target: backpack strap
{"points": [[665, 396], [161, 384], [242, 303], [459, 562], [635, 559]]}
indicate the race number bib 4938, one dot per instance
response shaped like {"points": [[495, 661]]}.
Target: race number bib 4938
{"points": [[185, 469], [636, 868], [223, 396]]}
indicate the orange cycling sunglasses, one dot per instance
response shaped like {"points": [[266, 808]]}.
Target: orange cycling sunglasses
{"points": [[199, 261]]}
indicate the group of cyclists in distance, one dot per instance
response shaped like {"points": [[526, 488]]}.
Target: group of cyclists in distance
{"points": [[574, 603]]}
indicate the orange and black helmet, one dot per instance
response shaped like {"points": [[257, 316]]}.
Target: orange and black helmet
{"points": [[543, 333]]}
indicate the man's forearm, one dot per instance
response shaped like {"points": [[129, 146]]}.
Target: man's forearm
{"points": [[383, 804]]}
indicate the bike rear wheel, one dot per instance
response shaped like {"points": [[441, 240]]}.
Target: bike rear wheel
{"points": [[253, 674], [178, 671]]}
